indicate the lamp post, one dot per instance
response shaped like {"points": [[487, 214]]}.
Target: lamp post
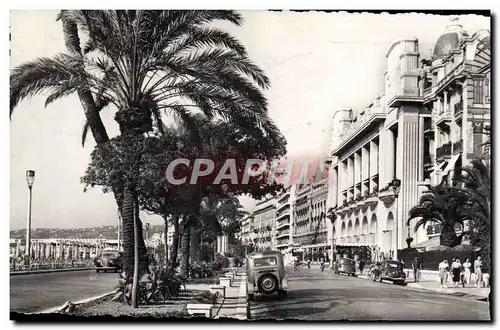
{"points": [[332, 216], [30, 179], [396, 186], [147, 233]]}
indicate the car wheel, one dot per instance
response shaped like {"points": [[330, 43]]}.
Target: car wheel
{"points": [[268, 283], [251, 297]]}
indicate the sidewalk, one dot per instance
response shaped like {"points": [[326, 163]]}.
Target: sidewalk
{"points": [[428, 282], [235, 304]]}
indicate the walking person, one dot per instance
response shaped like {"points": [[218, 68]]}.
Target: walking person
{"points": [[417, 267], [443, 273], [456, 268], [467, 272], [361, 266], [478, 264]]}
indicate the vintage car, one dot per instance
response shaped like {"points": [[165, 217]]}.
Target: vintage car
{"points": [[392, 270], [266, 274], [346, 266], [109, 259]]}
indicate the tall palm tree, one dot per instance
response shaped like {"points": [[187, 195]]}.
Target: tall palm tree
{"points": [[473, 188], [188, 66], [439, 206]]}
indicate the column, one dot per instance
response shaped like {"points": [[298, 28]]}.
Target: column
{"points": [[357, 171], [350, 176], [374, 161], [389, 156], [421, 150], [445, 105], [410, 168], [365, 166], [335, 187]]}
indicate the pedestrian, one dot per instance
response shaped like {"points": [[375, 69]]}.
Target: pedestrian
{"points": [[467, 272], [478, 264], [417, 267], [322, 265], [361, 266], [456, 267], [443, 272]]}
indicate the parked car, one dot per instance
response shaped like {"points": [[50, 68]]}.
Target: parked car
{"points": [[346, 266], [110, 259], [266, 274], [392, 270]]}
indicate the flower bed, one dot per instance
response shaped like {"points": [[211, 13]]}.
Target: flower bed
{"points": [[113, 308], [205, 297]]}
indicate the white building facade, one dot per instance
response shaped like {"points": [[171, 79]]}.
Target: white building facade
{"points": [[428, 118], [283, 227]]}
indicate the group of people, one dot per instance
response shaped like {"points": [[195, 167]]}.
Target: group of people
{"points": [[461, 273]]}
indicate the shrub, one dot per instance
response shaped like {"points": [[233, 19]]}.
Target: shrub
{"points": [[159, 285], [206, 297]]}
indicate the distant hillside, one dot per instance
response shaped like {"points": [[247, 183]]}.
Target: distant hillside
{"points": [[107, 232]]}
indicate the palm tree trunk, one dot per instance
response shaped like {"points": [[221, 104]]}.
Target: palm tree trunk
{"points": [[135, 282], [175, 243], [128, 214], [193, 243], [185, 251], [448, 236], [72, 42]]}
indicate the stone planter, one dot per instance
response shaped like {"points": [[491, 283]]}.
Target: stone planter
{"points": [[486, 280], [218, 289], [225, 281], [200, 310]]}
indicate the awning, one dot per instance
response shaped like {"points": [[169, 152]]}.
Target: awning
{"points": [[429, 243], [451, 164]]}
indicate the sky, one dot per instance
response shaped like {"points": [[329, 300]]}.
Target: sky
{"points": [[317, 62]]}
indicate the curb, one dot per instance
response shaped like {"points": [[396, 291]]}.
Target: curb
{"points": [[79, 302], [45, 271], [451, 293]]}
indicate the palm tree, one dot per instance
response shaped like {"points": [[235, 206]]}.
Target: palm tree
{"points": [[188, 66], [473, 188], [439, 206]]}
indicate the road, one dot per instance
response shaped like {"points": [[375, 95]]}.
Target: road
{"points": [[34, 292], [324, 296]]}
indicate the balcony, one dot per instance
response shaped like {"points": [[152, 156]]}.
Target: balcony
{"points": [[459, 109], [282, 216], [283, 233], [444, 151], [282, 224], [428, 128], [458, 146], [282, 206], [443, 118]]}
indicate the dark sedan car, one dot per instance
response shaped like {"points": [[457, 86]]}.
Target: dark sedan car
{"points": [[110, 259], [392, 270]]}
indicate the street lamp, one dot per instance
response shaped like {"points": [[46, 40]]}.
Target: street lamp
{"points": [[332, 216], [396, 187], [30, 179], [147, 233]]}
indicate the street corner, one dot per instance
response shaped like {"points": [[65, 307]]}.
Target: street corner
{"points": [[481, 294]]}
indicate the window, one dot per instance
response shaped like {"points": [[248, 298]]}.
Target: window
{"points": [[478, 91], [487, 89]]}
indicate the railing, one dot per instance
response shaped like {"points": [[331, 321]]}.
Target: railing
{"points": [[428, 126], [427, 159], [459, 107], [444, 150], [458, 146], [14, 266]]}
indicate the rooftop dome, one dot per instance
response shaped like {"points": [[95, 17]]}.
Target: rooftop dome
{"points": [[449, 39]]}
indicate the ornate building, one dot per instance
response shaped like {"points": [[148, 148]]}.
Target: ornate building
{"points": [[310, 233], [283, 226], [428, 122], [264, 216]]}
